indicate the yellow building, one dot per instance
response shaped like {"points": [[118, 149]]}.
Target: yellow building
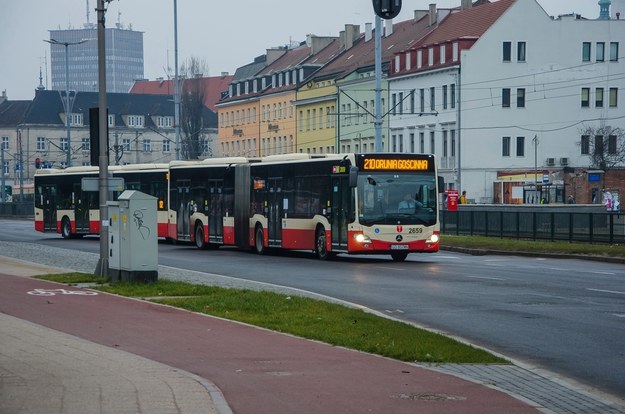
{"points": [[316, 117]]}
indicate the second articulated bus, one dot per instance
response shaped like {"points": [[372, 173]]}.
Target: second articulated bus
{"points": [[346, 203]]}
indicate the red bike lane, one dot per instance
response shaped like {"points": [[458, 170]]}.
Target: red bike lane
{"points": [[258, 371]]}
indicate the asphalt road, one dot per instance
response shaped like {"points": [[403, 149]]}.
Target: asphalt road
{"points": [[564, 315]]}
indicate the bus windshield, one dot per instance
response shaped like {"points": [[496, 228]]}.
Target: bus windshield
{"points": [[397, 198]]}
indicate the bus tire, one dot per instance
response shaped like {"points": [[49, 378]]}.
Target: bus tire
{"points": [[66, 228], [399, 256], [199, 236], [321, 249], [259, 240]]}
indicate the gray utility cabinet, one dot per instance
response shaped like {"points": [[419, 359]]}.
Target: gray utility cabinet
{"points": [[133, 237]]}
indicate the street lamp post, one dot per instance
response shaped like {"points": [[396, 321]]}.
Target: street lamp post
{"points": [[68, 107]]}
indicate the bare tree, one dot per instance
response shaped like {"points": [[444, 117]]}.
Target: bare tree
{"points": [[604, 145], [192, 110]]}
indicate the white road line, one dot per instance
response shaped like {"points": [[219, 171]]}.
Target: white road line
{"points": [[618, 315], [603, 273], [484, 277], [616, 292]]}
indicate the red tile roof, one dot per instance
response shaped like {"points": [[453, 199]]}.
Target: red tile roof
{"points": [[473, 22], [213, 86]]}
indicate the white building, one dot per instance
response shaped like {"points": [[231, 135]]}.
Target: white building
{"points": [[528, 84]]}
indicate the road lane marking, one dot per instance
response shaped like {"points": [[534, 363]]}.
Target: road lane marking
{"points": [[602, 273], [618, 315], [616, 292], [484, 277], [53, 292]]}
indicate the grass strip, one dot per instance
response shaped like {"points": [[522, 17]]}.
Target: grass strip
{"points": [[308, 318], [503, 244]]}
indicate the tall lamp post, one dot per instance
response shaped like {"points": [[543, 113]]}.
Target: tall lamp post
{"points": [[68, 107]]}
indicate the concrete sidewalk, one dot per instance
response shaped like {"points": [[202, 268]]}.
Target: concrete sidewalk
{"points": [[46, 371]]}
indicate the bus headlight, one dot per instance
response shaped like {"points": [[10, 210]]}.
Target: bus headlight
{"points": [[432, 239], [361, 238]]}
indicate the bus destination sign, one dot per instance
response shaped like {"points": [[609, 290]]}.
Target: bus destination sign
{"points": [[395, 164]]}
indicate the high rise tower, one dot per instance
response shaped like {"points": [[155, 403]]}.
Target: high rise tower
{"points": [[124, 58]]}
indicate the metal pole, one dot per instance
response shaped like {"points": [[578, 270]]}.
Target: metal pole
{"points": [[176, 85], [68, 109], [102, 268], [536, 168], [2, 194], [378, 84], [459, 132]]}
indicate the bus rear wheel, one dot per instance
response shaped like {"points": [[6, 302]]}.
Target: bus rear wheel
{"points": [[199, 237], [259, 240], [66, 228], [321, 249], [399, 256]]}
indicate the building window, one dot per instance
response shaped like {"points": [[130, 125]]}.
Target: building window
{"points": [[586, 52], [432, 99], [520, 52], [612, 144], [394, 103], [505, 146], [585, 97], [64, 144], [5, 143], [147, 145], [520, 98], [412, 102], [422, 142], [613, 97], [111, 120], [85, 144], [41, 143], [520, 146], [166, 145], [585, 145], [452, 92], [412, 148], [599, 98], [505, 97], [444, 96], [126, 144], [422, 100], [432, 143], [507, 51], [613, 51], [598, 144], [453, 143], [600, 51], [401, 103]]}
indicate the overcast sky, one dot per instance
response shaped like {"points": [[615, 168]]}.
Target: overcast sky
{"points": [[224, 34]]}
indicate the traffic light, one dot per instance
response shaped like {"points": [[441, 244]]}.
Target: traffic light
{"points": [[37, 163], [387, 9]]}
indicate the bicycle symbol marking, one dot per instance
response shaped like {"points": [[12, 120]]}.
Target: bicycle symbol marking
{"points": [[53, 292]]}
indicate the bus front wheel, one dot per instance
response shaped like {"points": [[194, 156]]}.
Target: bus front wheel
{"points": [[259, 240], [321, 249], [399, 256], [66, 228]]}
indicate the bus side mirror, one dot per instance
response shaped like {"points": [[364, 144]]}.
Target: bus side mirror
{"points": [[441, 184], [353, 176]]}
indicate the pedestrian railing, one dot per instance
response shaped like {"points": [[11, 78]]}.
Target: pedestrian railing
{"points": [[593, 227]]}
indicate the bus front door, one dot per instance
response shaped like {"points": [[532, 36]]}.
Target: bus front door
{"points": [[341, 207], [184, 210], [215, 212], [274, 217], [48, 194]]}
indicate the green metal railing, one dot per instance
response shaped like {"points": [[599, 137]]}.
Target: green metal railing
{"points": [[580, 227]]}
